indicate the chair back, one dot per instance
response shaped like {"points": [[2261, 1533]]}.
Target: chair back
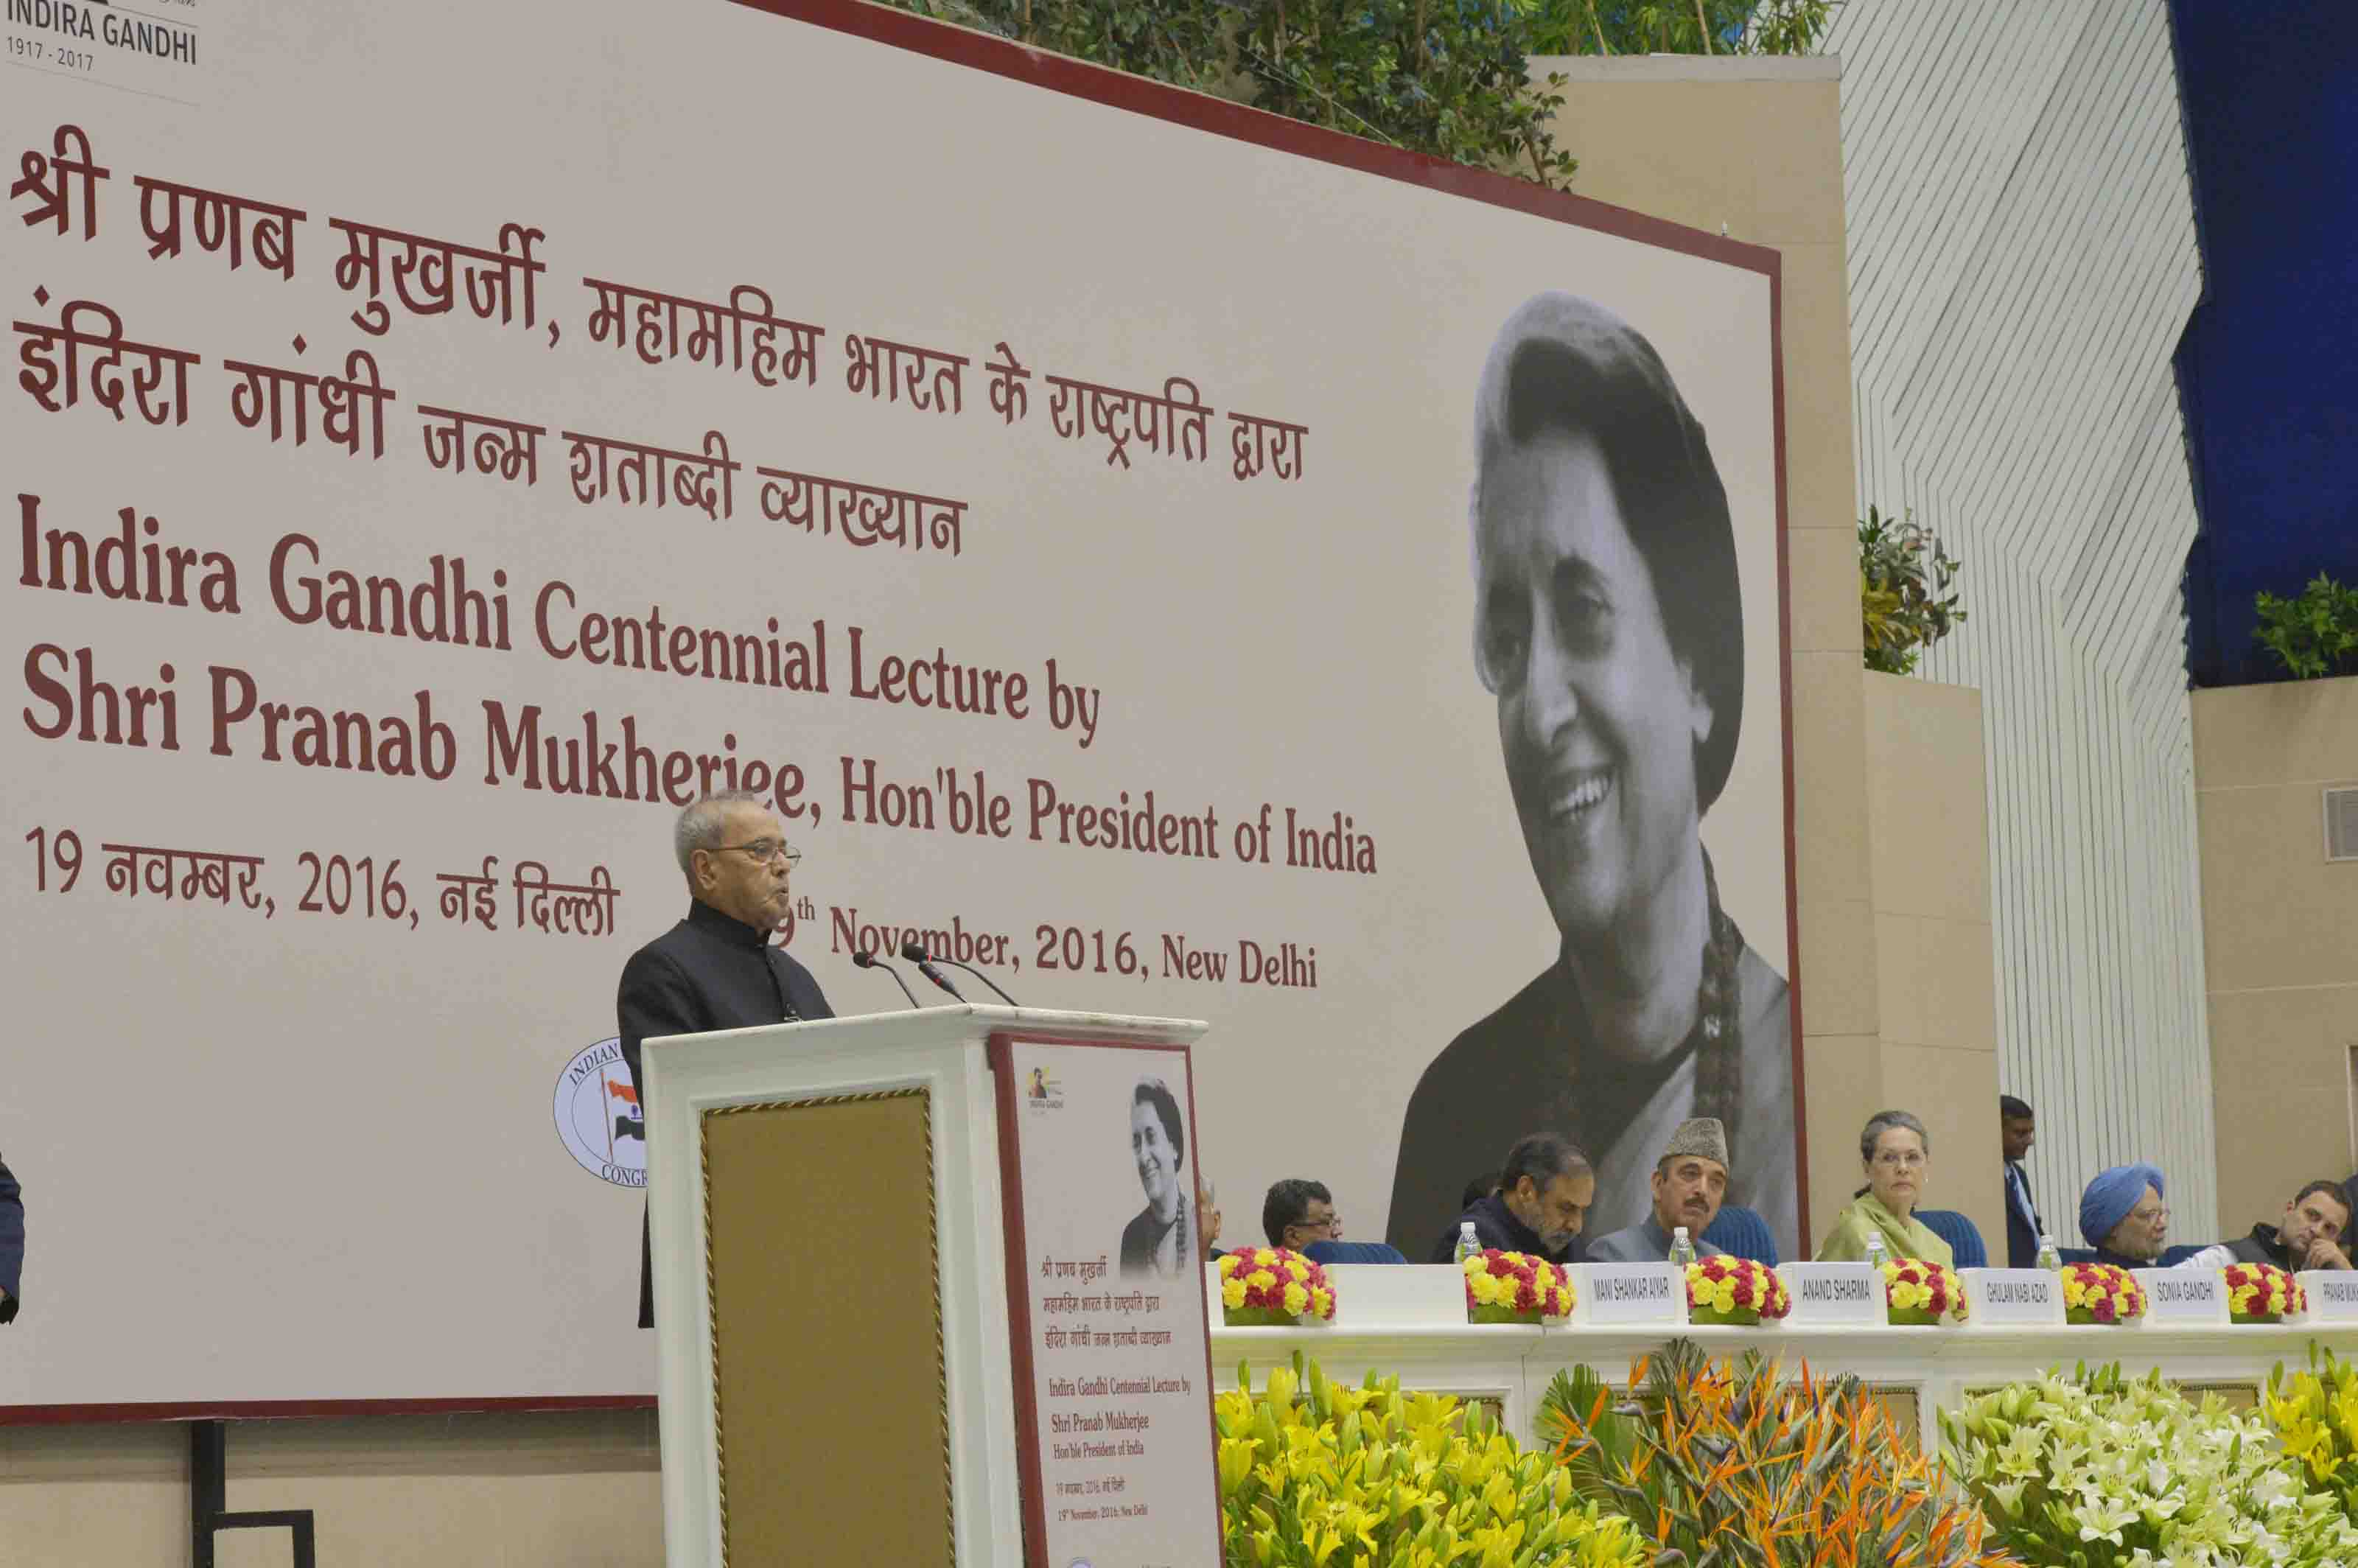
{"points": [[1353, 1252], [1741, 1231], [1963, 1237]]}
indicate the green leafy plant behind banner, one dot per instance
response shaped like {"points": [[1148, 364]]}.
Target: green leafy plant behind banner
{"points": [[2315, 635], [1447, 78], [1908, 598]]}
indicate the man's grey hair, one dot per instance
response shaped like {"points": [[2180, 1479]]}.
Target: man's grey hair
{"points": [[1883, 1121], [698, 826]]}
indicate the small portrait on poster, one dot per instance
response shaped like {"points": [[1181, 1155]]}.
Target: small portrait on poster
{"points": [[1609, 634], [1160, 1239]]}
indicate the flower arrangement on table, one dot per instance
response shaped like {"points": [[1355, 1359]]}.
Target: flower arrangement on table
{"points": [[1316, 1474], [2101, 1292], [1730, 1290], [2315, 1413], [2090, 1467], [2262, 1292], [1272, 1287], [1917, 1291], [1514, 1287]]}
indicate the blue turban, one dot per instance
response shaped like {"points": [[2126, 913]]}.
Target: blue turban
{"points": [[2111, 1196]]}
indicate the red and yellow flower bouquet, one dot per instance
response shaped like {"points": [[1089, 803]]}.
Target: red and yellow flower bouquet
{"points": [[1730, 1290], [1272, 1287], [2262, 1292], [1917, 1291], [2101, 1292], [1514, 1287]]}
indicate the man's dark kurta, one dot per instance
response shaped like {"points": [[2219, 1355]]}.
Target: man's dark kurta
{"points": [[1495, 1226], [707, 972]]}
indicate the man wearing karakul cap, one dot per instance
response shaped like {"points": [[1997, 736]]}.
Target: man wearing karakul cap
{"points": [[2122, 1218], [1690, 1182]]}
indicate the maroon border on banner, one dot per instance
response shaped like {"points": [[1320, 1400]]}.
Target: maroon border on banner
{"points": [[300, 1409], [1002, 1044], [1785, 667]]}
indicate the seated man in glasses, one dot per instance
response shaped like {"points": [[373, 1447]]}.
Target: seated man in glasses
{"points": [[717, 969], [1297, 1213]]}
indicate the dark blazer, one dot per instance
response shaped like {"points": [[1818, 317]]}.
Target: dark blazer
{"points": [[2021, 1238], [1495, 1225], [707, 972], [12, 1241]]}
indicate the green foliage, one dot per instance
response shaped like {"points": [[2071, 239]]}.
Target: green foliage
{"points": [[1679, 27], [1907, 598], [2315, 635], [1733, 1465], [1442, 77], [2098, 1471]]}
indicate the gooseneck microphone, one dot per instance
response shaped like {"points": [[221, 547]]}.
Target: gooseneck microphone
{"points": [[864, 959], [915, 953], [918, 956]]}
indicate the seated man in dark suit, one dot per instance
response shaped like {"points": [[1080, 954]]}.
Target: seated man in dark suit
{"points": [[1541, 1204], [2311, 1235], [12, 1243]]}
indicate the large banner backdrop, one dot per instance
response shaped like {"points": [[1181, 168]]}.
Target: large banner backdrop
{"points": [[1179, 563]]}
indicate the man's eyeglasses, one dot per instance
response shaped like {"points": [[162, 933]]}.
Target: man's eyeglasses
{"points": [[769, 851], [1331, 1225]]}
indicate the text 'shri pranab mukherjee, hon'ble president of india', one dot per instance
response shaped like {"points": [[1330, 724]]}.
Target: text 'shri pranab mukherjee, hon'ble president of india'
{"points": [[1609, 627]]}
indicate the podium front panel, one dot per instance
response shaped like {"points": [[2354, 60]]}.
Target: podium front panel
{"points": [[827, 1333]]}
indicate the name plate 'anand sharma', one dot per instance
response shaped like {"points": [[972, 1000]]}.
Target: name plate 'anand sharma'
{"points": [[1849, 1295]]}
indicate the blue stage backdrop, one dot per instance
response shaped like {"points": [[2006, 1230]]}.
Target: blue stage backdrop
{"points": [[2269, 364]]}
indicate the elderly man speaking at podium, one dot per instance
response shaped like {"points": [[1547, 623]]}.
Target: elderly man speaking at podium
{"points": [[716, 969]]}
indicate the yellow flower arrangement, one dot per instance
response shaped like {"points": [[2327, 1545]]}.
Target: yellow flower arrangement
{"points": [[1316, 1475], [1917, 1291], [1270, 1287]]}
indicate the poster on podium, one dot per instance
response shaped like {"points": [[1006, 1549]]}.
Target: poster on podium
{"points": [[1114, 1432]]}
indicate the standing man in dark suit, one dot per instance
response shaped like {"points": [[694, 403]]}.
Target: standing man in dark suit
{"points": [[12, 1242], [2017, 1130], [716, 969]]}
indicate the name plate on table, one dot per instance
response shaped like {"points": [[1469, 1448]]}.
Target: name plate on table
{"points": [[1628, 1292], [2012, 1297], [2183, 1298], [1834, 1294], [2332, 1295]]}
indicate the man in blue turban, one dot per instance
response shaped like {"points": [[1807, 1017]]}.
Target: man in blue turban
{"points": [[2122, 1218]]}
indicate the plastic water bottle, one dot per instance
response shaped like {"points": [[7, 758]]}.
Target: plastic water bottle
{"points": [[1682, 1250], [1875, 1253], [2049, 1258], [1469, 1243]]}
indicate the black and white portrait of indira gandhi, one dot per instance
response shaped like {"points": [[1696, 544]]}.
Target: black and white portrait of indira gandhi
{"points": [[1609, 628]]}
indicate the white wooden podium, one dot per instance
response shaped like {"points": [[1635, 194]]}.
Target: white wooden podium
{"points": [[826, 1395]]}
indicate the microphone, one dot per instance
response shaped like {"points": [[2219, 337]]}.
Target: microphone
{"points": [[919, 953], [916, 953], [864, 959]]}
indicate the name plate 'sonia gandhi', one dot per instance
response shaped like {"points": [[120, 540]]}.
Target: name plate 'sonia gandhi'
{"points": [[1628, 1292], [2332, 1295], [2001, 1297], [1834, 1294], [2177, 1297]]}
